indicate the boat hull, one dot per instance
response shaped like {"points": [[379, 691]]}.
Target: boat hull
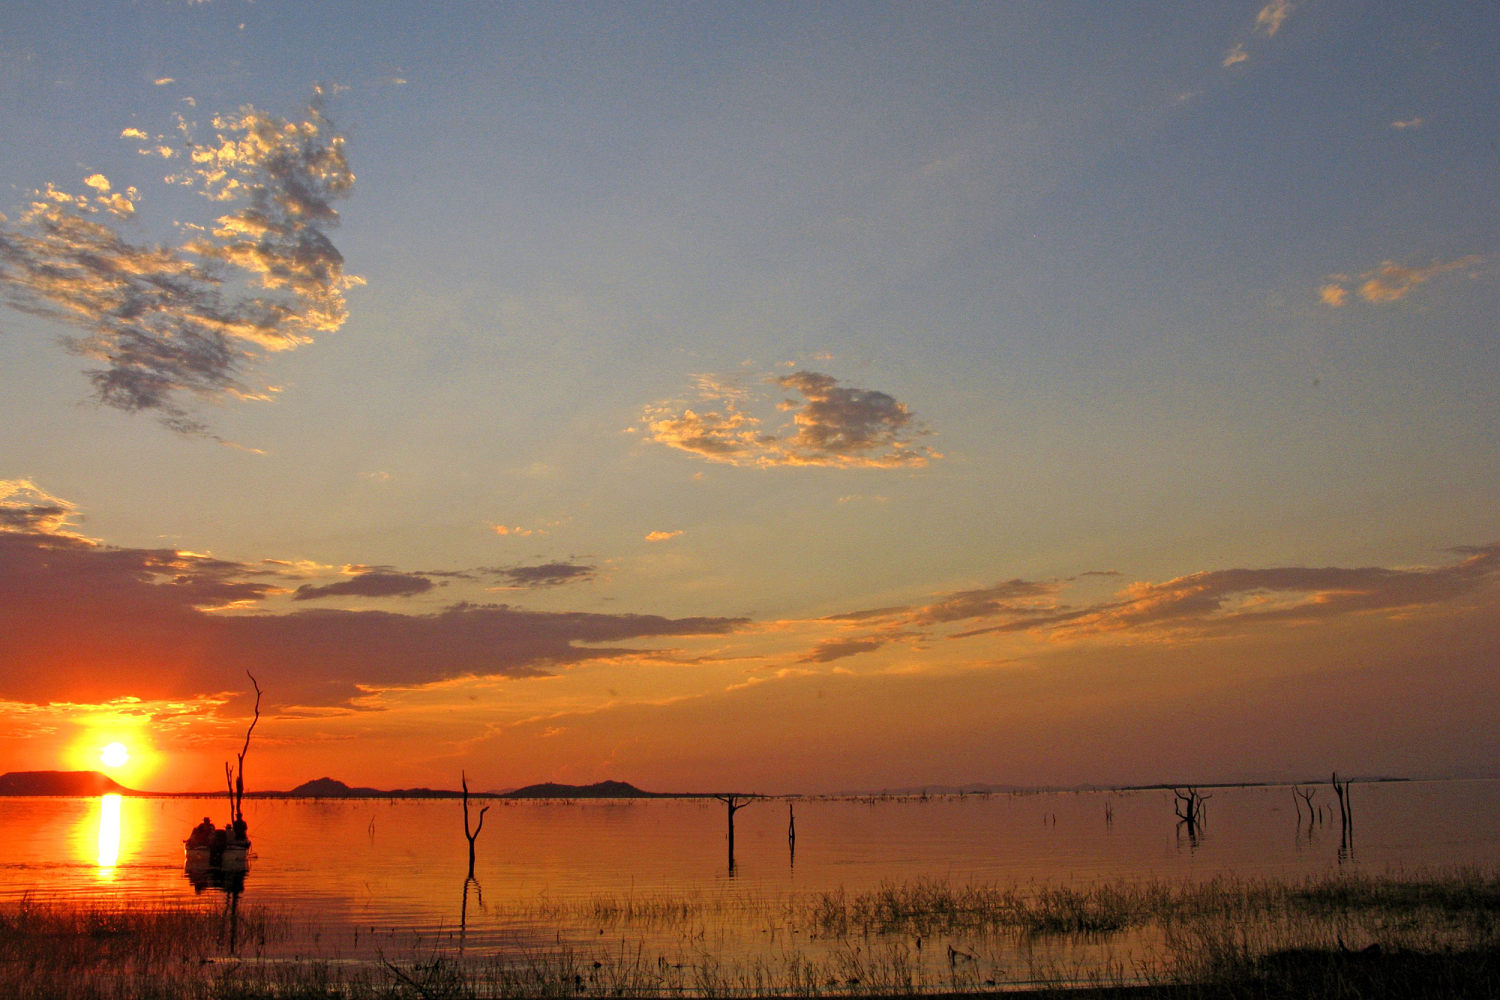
{"points": [[235, 857]]}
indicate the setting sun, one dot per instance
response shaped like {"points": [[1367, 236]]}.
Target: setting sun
{"points": [[114, 755]]}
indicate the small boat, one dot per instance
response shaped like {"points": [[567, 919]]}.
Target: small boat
{"points": [[230, 857], [210, 847]]}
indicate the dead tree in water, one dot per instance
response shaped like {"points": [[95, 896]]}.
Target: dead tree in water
{"points": [[464, 780], [1188, 805], [1346, 811], [791, 833], [735, 801], [1301, 796], [235, 779]]}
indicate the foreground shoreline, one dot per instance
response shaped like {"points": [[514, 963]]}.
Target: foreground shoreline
{"points": [[1434, 935]]}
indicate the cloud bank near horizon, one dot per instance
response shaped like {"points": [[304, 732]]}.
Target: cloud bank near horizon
{"points": [[104, 622], [168, 322]]}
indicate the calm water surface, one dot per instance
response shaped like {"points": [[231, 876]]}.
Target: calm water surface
{"points": [[356, 875]]}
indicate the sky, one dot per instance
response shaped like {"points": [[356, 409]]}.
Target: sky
{"points": [[750, 396]]}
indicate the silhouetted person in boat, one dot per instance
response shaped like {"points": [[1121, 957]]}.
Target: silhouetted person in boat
{"points": [[240, 832], [202, 834]]}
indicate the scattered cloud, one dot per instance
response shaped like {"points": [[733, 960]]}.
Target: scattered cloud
{"points": [[830, 425], [1268, 22], [1390, 282], [170, 321], [1407, 123], [662, 536]]}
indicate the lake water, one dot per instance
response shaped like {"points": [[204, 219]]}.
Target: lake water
{"points": [[360, 878]]}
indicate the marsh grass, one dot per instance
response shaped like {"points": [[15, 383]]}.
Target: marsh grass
{"points": [[1424, 935]]}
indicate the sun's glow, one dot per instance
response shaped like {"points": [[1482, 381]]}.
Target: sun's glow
{"points": [[114, 755]]}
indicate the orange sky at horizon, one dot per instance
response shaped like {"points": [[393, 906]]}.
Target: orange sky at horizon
{"points": [[1006, 686]]}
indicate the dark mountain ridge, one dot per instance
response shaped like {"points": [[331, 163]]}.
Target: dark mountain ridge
{"points": [[83, 783]]}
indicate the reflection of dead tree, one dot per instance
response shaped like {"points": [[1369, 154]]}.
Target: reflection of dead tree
{"points": [[735, 801], [464, 779], [1188, 804], [463, 911], [235, 779]]}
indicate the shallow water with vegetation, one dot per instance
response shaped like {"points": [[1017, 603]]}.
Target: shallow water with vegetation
{"points": [[885, 894]]}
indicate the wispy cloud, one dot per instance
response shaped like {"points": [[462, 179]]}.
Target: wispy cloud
{"points": [[1272, 16], [1212, 603], [837, 649], [1390, 282], [662, 536], [1268, 21], [546, 574], [26, 507], [830, 425], [1224, 600], [170, 321], [368, 583]]}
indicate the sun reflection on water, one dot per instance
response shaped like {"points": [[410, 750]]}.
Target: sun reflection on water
{"points": [[109, 834]]}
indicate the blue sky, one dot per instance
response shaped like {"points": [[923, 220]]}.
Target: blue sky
{"points": [[728, 330]]}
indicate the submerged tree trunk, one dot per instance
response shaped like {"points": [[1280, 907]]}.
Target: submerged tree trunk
{"points": [[1346, 815], [735, 802], [1188, 805]]}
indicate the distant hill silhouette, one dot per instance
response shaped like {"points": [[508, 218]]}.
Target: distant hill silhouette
{"points": [[332, 788], [599, 790], [85, 783]]}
